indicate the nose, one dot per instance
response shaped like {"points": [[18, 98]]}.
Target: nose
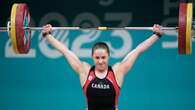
{"points": [[100, 61]]}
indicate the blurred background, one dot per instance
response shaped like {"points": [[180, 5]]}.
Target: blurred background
{"points": [[43, 80]]}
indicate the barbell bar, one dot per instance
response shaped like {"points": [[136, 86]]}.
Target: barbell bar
{"points": [[4, 29]]}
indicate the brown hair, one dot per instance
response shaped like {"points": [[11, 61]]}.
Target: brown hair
{"points": [[101, 45]]}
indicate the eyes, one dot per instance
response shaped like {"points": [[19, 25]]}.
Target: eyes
{"points": [[100, 57]]}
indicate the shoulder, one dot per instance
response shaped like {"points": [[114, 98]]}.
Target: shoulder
{"points": [[117, 73], [85, 67], [84, 73], [115, 67]]}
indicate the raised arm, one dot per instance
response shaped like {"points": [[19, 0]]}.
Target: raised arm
{"points": [[73, 60], [125, 65]]}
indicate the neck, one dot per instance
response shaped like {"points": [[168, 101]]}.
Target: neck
{"points": [[101, 71]]}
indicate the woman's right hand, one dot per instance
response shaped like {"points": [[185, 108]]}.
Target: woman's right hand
{"points": [[47, 29]]}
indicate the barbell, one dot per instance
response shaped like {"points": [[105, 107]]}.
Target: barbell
{"points": [[19, 28]]}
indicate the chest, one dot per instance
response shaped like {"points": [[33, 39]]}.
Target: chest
{"points": [[100, 88]]}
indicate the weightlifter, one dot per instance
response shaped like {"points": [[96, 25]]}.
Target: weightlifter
{"points": [[101, 82]]}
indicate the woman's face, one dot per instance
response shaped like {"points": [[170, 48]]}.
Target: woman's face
{"points": [[100, 58]]}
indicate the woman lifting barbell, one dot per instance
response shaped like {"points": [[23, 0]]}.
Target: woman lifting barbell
{"points": [[101, 83]]}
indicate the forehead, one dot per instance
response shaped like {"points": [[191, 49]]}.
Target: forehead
{"points": [[100, 52]]}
